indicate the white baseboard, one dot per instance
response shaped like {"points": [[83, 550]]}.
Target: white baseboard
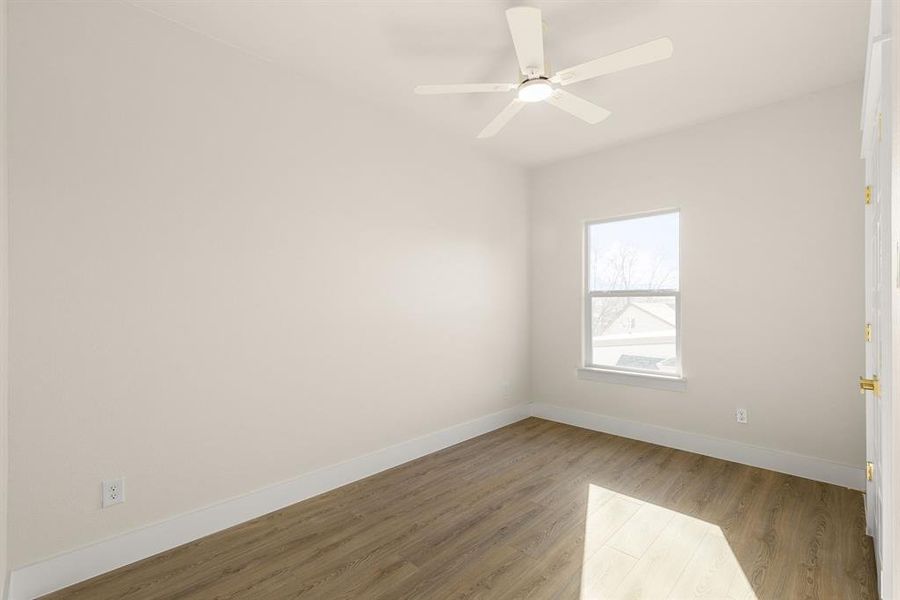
{"points": [[775, 460], [71, 567], [26, 583]]}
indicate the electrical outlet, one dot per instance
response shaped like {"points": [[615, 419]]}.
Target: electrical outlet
{"points": [[113, 491], [740, 415]]}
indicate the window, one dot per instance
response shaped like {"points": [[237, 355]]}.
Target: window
{"points": [[632, 299]]}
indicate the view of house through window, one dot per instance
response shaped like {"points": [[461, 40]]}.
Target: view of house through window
{"points": [[632, 300]]}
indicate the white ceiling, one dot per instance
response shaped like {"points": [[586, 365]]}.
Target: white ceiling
{"points": [[730, 55]]}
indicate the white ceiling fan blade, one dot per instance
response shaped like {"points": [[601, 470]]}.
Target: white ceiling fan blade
{"points": [[527, 32], [660, 49], [464, 88], [502, 119], [579, 107]]}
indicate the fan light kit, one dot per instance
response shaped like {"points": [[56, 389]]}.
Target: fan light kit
{"points": [[535, 90], [537, 85]]}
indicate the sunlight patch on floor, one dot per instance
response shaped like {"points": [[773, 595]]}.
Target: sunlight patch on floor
{"points": [[637, 550]]}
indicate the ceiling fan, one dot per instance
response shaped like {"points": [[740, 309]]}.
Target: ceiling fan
{"points": [[537, 85]]}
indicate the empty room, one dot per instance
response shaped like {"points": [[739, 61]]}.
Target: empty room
{"points": [[449, 299]]}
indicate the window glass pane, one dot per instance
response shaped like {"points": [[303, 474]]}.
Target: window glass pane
{"points": [[634, 254], [634, 332]]}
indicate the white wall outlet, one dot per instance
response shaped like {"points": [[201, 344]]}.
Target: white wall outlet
{"points": [[740, 415], [113, 491]]}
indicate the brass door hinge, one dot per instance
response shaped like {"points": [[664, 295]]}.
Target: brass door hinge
{"points": [[870, 471], [868, 194], [868, 332], [870, 385]]}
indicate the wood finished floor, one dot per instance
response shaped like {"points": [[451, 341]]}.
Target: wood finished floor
{"points": [[535, 510]]}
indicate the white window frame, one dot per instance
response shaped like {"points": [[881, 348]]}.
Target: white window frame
{"points": [[589, 370]]}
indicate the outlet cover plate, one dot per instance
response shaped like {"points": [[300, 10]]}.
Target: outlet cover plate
{"points": [[740, 415], [113, 491]]}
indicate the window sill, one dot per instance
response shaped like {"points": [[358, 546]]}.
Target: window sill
{"points": [[659, 382]]}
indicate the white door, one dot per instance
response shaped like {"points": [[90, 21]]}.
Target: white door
{"points": [[878, 346], [882, 239]]}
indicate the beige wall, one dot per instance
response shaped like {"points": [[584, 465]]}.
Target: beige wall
{"points": [[223, 277], [772, 274], [4, 311]]}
